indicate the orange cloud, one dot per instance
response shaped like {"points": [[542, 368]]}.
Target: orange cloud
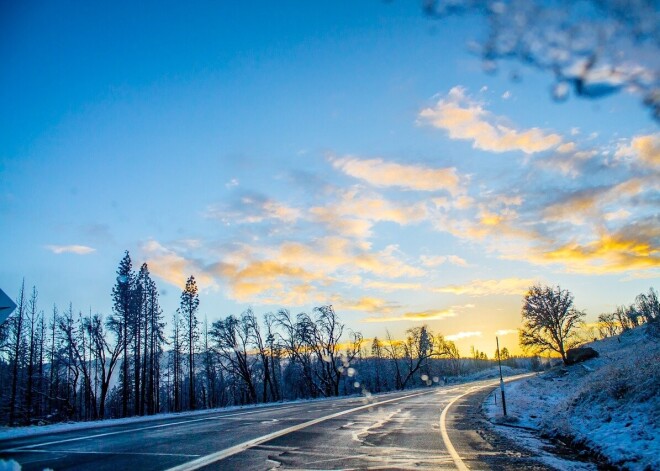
{"points": [[354, 213], [626, 250], [173, 268], [344, 226], [367, 304], [378, 172], [645, 148], [414, 316], [466, 119], [506, 286]]}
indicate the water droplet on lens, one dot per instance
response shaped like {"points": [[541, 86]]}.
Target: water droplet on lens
{"points": [[489, 66], [560, 91]]}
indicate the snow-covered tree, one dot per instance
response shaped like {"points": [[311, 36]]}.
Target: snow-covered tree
{"points": [[550, 322]]}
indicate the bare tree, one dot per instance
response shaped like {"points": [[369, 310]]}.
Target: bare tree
{"points": [[622, 318], [648, 305], [106, 352], [323, 336], [17, 338], [418, 348], [259, 343], [394, 350], [453, 355], [377, 355], [550, 322], [294, 343], [232, 343], [33, 320], [607, 325]]}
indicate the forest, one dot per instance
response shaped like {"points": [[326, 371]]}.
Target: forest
{"points": [[69, 365]]}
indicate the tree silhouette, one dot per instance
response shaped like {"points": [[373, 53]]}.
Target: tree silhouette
{"points": [[592, 48], [550, 322]]}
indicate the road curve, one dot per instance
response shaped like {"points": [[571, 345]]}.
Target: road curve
{"points": [[403, 430]]}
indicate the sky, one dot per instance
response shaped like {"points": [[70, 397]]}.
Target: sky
{"points": [[298, 154]]}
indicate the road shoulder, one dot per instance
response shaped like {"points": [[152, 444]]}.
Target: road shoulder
{"points": [[483, 445]]}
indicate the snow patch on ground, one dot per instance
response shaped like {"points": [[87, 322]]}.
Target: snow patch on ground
{"points": [[610, 404], [9, 465]]}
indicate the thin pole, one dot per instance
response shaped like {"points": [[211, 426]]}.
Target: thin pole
{"points": [[499, 361]]}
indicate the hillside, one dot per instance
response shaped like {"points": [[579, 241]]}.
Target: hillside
{"points": [[610, 404]]}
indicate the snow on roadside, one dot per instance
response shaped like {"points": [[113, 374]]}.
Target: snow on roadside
{"points": [[32, 430], [610, 404], [9, 465]]}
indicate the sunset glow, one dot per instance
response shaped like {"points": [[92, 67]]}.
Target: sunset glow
{"points": [[303, 154]]}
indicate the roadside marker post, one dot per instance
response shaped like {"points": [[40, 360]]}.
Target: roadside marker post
{"points": [[499, 361]]}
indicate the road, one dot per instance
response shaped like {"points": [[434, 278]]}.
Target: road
{"points": [[421, 429]]}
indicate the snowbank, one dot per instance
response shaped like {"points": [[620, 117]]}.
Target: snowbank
{"points": [[609, 404]]}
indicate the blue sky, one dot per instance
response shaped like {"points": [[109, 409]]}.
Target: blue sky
{"points": [[298, 154]]}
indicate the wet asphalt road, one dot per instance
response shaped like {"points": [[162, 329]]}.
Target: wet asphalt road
{"points": [[392, 431]]}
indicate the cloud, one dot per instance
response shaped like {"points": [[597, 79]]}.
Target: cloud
{"points": [[437, 260], [295, 295], [428, 315], [566, 147], [337, 258], [368, 304], [466, 119], [355, 203], [578, 206], [506, 286], [392, 286], [292, 272], [343, 226], [269, 281], [645, 275], [353, 212], [645, 149], [567, 161], [173, 268], [380, 173], [462, 335], [252, 208], [634, 247], [76, 249], [503, 332]]}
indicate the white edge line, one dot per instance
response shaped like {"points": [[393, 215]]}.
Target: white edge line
{"points": [[460, 465], [149, 427], [227, 452]]}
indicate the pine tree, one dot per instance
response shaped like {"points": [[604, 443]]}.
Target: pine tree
{"points": [[175, 358], [188, 310], [123, 299]]}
